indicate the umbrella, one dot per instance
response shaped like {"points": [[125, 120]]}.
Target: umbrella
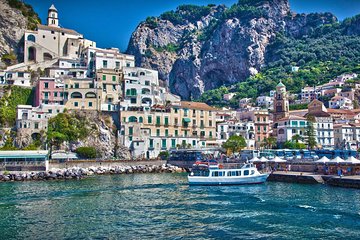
{"points": [[352, 160], [255, 159], [337, 160], [263, 159], [277, 160], [324, 159]]}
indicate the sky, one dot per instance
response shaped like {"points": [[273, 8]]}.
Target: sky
{"points": [[111, 22]]}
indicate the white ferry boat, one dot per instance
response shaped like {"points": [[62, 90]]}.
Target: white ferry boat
{"points": [[203, 174]]}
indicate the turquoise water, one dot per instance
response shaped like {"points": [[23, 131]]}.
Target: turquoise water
{"points": [[163, 206]]}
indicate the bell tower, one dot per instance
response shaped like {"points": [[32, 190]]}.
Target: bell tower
{"points": [[281, 102], [53, 20]]}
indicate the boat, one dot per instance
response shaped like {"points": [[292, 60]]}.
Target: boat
{"points": [[206, 174]]}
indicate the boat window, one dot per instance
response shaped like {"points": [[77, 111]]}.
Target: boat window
{"points": [[229, 174], [252, 172], [246, 172], [215, 174]]}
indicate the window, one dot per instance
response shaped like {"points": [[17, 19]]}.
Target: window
{"points": [[149, 119], [173, 143], [163, 143], [117, 64], [157, 120], [104, 77], [76, 85], [166, 132], [176, 133], [114, 78], [55, 94], [176, 110], [76, 104], [166, 121], [151, 143], [36, 125], [46, 85], [210, 123], [210, 134], [105, 63], [131, 130], [246, 172], [158, 132], [194, 142], [90, 104]]}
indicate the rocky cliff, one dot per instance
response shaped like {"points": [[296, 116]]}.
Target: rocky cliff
{"points": [[200, 48], [15, 18]]}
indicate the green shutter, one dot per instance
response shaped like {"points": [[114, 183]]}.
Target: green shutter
{"points": [[104, 77]]}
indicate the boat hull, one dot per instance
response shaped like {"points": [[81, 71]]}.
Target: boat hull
{"points": [[227, 180]]}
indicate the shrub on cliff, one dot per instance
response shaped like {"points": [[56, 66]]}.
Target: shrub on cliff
{"points": [[26, 10], [86, 152], [13, 96]]}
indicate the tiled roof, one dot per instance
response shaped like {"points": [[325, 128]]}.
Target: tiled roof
{"points": [[292, 117], [319, 114], [197, 105], [57, 29]]}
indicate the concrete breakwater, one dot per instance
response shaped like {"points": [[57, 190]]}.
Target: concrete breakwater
{"points": [[78, 173], [310, 178]]}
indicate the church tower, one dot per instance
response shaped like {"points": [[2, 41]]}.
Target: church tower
{"points": [[53, 20], [281, 102]]}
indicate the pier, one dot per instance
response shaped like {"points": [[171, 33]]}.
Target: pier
{"points": [[311, 178]]}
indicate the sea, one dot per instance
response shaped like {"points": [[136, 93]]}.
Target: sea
{"points": [[163, 206]]}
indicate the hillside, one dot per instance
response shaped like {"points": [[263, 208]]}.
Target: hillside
{"points": [[15, 18], [247, 48]]}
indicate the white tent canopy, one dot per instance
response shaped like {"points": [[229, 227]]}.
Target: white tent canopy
{"points": [[277, 160], [352, 160], [337, 160], [255, 159], [324, 159], [263, 159]]}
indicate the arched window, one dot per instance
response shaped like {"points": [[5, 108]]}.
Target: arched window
{"points": [[76, 95], [132, 119], [31, 54], [140, 119], [142, 74], [146, 101], [90, 95], [145, 91], [281, 131], [47, 56], [31, 38]]}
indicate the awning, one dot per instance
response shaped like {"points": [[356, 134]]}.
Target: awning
{"points": [[187, 120]]}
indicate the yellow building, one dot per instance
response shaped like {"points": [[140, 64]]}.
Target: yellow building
{"points": [[182, 124], [109, 83], [80, 94]]}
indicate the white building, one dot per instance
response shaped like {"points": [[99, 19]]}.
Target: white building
{"points": [[265, 101], [308, 94], [99, 58], [35, 119], [233, 127], [18, 78], [289, 126], [339, 102], [51, 41], [228, 96]]}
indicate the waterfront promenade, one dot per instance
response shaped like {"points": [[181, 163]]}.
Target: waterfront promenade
{"points": [[352, 181]]}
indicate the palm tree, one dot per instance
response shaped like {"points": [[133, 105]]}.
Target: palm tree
{"points": [[297, 138], [269, 142]]}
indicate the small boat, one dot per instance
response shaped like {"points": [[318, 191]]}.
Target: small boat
{"points": [[205, 174]]}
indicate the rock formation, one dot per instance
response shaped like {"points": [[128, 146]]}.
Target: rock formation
{"points": [[195, 53]]}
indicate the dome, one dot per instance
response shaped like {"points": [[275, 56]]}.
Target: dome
{"points": [[280, 84]]}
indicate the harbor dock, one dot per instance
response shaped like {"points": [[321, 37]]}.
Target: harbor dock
{"points": [[311, 178]]}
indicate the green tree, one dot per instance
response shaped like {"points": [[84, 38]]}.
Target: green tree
{"points": [[235, 143], [297, 138], [310, 133], [87, 152], [269, 142]]}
